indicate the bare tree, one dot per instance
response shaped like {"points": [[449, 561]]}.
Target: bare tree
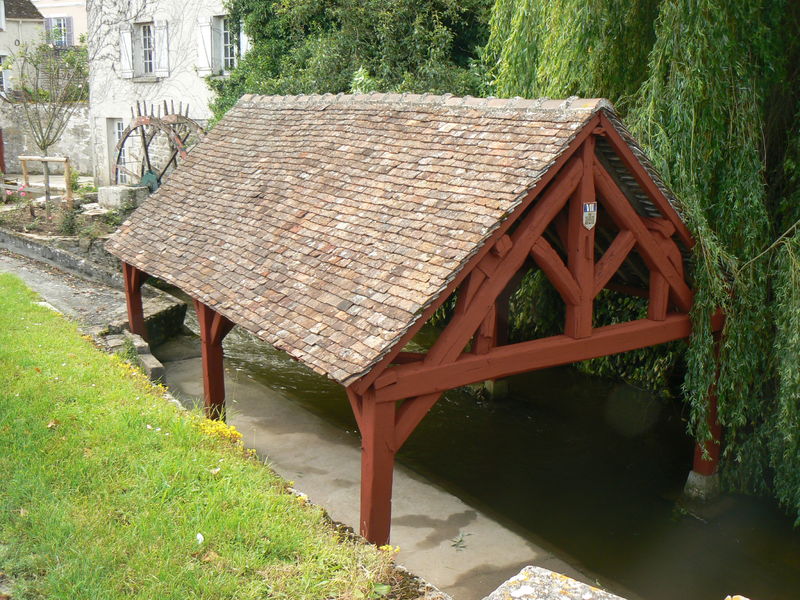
{"points": [[50, 83]]}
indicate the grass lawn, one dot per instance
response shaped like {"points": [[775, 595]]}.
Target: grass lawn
{"points": [[109, 491]]}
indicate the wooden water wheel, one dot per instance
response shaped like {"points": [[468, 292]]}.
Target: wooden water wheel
{"points": [[153, 144]]}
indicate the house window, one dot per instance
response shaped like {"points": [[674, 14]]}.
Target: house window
{"points": [[144, 51], [220, 44], [59, 31], [116, 127], [228, 45], [119, 127], [148, 47], [5, 75]]}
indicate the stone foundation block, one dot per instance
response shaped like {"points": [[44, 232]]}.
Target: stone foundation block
{"points": [[536, 583], [701, 487], [116, 197], [151, 366]]}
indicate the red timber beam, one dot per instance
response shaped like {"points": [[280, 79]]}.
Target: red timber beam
{"points": [[133, 279], [643, 178], [580, 249], [213, 329], [406, 381]]}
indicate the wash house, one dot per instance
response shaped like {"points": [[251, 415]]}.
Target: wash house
{"points": [[333, 227]]}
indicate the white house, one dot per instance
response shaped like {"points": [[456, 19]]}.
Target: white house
{"points": [[64, 20], [20, 23], [152, 51]]}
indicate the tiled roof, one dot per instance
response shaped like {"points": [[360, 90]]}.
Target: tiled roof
{"points": [[22, 9], [326, 224]]}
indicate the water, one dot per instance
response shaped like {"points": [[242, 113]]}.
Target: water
{"points": [[587, 466]]}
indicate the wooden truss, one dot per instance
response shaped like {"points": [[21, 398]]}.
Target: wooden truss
{"points": [[546, 230], [391, 400]]}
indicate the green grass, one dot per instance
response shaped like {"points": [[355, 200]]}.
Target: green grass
{"points": [[105, 486]]}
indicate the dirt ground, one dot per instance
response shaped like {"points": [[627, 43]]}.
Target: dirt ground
{"points": [[17, 217]]}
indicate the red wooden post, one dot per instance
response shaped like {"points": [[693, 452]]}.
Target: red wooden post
{"points": [[377, 465], [486, 336], [713, 446], [700, 465], [133, 279], [213, 329], [580, 250]]}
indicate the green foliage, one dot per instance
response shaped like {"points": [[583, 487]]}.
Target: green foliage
{"points": [[707, 86], [302, 47], [542, 48], [74, 180], [535, 308], [654, 368], [785, 440], [69, 222]]}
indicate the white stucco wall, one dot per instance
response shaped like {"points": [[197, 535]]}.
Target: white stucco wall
{"points": [[112, 96], [17, 33]]}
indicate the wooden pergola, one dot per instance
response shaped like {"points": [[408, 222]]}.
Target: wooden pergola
{"points": [[566, 190]]}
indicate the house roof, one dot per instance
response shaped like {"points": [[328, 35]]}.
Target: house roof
{"points": [[327, 224], [22, 9]]}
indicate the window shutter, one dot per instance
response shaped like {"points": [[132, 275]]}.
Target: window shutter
{"points": [[2, 15], [125, 53], [244, 41], [48, 29], [216, 45], [68, 33], [205, 47], [162, 48]]}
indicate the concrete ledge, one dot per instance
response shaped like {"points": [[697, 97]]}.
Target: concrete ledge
{"points": [[40, 248], [536, 583], [119, 343], [164, 313]]}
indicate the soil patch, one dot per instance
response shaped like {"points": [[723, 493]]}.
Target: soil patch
{"points": [[18, 217]]}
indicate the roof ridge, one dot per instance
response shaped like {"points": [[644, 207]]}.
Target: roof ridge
{"points": [[444, 100]]}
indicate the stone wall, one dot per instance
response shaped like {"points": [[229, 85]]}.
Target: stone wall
{"points": [[75, 142], [86, 259]]}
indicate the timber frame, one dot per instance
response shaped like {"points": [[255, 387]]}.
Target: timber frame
{"points": [[391, 400], [546, 231]]}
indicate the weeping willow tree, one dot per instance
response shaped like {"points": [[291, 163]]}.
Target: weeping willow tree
{"points": [[706, 86]]}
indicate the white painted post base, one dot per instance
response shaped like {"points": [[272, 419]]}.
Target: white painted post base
{"points": [[701, 487], [496, 389]]}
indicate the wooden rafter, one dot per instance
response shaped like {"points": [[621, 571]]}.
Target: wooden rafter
{"points": [[612, 259], [644, 179], [649, 247]]}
